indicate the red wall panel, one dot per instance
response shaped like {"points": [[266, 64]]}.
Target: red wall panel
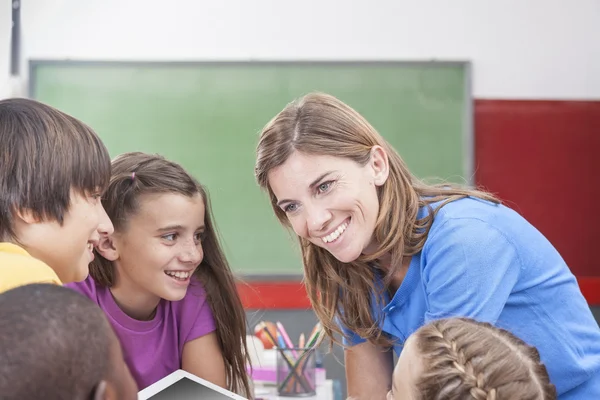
{"points": [[543, 158], [288, 295], [292, 296]]}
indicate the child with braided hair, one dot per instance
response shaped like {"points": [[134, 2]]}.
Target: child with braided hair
{"points": [[463, 359]]}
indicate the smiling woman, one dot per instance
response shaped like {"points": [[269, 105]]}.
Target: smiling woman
{"points": [[385, 253], [162, 278]]}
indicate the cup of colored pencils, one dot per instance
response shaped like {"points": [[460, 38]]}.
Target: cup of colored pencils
{"points": [[296, 368], [296, 365]]}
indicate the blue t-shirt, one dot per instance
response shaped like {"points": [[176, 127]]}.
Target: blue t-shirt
{"points": [[486, 262]]}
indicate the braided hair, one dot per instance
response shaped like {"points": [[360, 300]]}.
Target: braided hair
{"points": [[465, 359]]}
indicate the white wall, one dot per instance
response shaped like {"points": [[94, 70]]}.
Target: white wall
{"points": [[532, 49]]}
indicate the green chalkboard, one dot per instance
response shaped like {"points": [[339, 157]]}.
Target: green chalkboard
{"points": [[207, 117]]}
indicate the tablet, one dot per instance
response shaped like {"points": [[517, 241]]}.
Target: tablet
{"points": [[181, 385]]}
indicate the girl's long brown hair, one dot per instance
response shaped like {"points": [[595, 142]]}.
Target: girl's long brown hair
{"points": [[320, 124], [465, 359], [155, 174]]}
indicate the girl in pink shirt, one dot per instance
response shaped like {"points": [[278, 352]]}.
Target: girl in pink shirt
{"points": [[163, 280]]}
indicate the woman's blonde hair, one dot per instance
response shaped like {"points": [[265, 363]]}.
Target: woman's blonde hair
{"points": [[320, 124], [465, 359]]}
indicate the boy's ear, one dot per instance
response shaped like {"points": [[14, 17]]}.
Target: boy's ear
{"points": [[27, 216], [105, 391], [106, 248], [100, 393]]}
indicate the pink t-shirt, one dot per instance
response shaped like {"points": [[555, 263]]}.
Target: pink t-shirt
{"points": [[153, 349]]}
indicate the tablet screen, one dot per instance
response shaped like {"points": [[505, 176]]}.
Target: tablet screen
{"points": [[187, 389]]}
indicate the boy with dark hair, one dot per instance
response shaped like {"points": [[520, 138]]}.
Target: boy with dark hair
{"points": [[53, 170], [57, 344]]}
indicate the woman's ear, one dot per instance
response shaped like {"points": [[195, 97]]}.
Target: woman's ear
{"points": [[107, 249], [380, 165]]}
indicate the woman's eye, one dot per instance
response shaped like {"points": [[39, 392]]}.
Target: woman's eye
{"points": [[290, 208], [323, 187]]}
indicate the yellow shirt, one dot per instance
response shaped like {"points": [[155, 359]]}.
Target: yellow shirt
{"points": [[18, 268]]}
